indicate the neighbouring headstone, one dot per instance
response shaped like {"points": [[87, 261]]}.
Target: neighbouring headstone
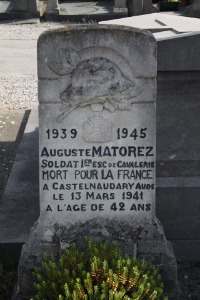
{"points": [[52, 7], [97, 92], [120, 6], [193, 10], [136, 8], [27, 6]]}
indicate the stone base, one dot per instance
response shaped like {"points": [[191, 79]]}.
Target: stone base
{"points": [[54, 11], [146, 242], [153, 246], [122, 10]]}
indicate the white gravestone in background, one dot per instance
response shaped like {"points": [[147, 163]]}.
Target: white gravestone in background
{"points": [[97, 92]]}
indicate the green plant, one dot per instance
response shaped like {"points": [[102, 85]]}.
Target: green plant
{"points": [[100, 274]]}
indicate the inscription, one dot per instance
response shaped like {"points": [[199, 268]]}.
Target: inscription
{"points": [[115, 178], [61, 133], [123, 133], [130, 151], [121, 206]]}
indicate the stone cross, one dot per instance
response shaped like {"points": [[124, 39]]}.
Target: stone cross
{"points": [[97, 93]]}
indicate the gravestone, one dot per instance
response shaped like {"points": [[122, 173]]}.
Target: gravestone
{"points": [[136, 7], [120, 6], [97, 92], [148, 7], [28, 6], [52, 7]]}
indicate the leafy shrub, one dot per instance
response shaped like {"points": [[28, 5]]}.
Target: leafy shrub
{"points": [[100, 274]]}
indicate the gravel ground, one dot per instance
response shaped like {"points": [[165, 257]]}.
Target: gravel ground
{"points": [[22, 31], [20, 92]]}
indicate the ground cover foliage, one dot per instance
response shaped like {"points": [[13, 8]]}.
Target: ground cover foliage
{"points": [[188, 278], [100, 273]]}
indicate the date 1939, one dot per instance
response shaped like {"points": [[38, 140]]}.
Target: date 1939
{"points": [[61, 133]]}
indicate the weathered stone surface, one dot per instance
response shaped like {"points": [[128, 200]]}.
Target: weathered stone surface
{"points": [[147, 242], [95, 183], [97, 145], [89, 109], [140, 67], [31, 256], [122, 232], [178, 94]]}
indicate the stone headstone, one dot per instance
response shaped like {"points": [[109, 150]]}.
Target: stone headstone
{"points": [[52, 7], [91, 164], [120, 6], [97, 92], [148, 7], [28, 6], [136, 8]]}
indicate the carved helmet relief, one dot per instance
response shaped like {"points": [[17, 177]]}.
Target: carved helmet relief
{"points": [[98, 75]]}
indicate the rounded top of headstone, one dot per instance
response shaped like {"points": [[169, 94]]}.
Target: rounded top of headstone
{"points": [[136, 46], [119, 63], [96, 27]]}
